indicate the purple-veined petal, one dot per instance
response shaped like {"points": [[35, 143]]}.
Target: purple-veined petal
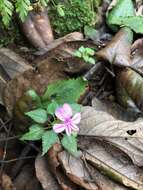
{"points": [[68, 130], [67, 110], [76, 118], [74, 127], [58, 128], [60, 114]]}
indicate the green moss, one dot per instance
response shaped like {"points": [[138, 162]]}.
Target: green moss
{"points": [[77, 14]]}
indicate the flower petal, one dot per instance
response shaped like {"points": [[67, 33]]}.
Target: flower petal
{"points": [[76, 118], [68, 130], [67, 110], [60, 114], [74, 127], [58, 128]]}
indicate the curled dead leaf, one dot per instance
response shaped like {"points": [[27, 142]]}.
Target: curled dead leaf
{"points": [[115, 50], [76, 171]]}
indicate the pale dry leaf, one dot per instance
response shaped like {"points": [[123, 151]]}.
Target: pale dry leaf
{"points": [[113, 162], [76, 171], [101, 124]]}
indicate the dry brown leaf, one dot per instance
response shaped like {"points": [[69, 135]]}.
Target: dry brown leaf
{"points": [[129, 89], [114, 52], [76, 171], [54, 165], [127, 136], [12, 64], [75, 36], [44, 176], [114, 109], [37, 28], [112, 162]]}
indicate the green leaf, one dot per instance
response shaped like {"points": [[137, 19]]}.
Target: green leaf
{"points": [[91, 60], [82, 49], [60, 10], [6, 9], [38, 115], [78, 54], [22, 7], [32, 93], [89, 51], [90, 33], [70, 144], [133, 22], [48, 139], [85, 57], [123, 8], [65, 91], [35, 133], [52, 107]]}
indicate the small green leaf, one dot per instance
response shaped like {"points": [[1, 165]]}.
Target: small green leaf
{"points": [[70, 144], [35, 133], [90, 51], [52, 107], [91, 60], [32, 93], [78, 54], [85, 57], [82, 49], [60, 10], [38, 115], [48, 139]]}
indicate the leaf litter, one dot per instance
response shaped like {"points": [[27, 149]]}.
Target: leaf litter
{"points": [[111, 130]]}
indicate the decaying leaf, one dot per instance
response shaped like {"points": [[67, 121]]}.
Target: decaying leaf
{"points": [[76, 171], [114, 109], [55, 168], [43, 174], [129, 88], [12, 64], [75, 36], [127, 136], [114, 52], [37, 28], [112, 162]]}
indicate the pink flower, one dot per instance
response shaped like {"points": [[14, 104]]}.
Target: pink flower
{"points": [[69, 123]]}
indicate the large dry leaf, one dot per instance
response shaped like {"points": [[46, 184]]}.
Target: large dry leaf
{"points": [[76, 171], [114, 163], [43, 174], [6, 182], [38, 79], [118, 50], [127, 136], [12, 64], [37, 28], [114, 109], [129, 89]]}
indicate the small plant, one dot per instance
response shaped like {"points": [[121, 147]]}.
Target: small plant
{"points": [[57, 115], [85, 54]]}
